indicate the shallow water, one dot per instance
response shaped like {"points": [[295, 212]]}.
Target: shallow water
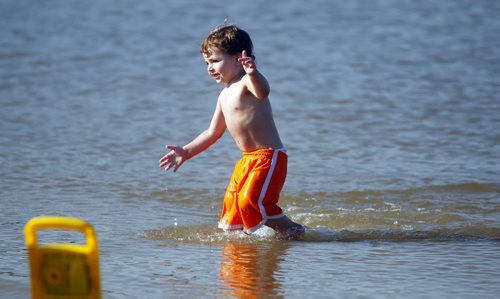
{"points": [[388, 109]]}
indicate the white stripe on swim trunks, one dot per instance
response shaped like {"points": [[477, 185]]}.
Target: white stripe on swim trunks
{"points": [[263, 192]]}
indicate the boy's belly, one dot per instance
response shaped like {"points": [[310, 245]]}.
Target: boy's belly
{"points": [[252, 140]]}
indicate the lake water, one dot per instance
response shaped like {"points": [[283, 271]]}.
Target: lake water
{"points": [[390, 112]]}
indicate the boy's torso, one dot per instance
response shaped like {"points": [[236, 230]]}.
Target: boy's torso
{"points": [[248, 119]]}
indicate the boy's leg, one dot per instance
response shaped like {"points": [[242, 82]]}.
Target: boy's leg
{"points": [[230, 217], [286, 228]]}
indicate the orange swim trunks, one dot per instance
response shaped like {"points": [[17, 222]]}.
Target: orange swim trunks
{"points": [[252, 194]]}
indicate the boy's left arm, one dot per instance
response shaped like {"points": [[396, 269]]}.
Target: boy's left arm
{"points": [[256, 83]]}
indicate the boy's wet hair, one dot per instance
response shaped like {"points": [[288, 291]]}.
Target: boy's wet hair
{"points": [[229, 39]]}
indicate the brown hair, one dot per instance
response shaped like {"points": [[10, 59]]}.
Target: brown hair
{"points": [[230, 39]]}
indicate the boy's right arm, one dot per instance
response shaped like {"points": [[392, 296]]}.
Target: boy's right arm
{"points": [[178, 155]]}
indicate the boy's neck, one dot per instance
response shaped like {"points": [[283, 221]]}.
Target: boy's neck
{"points": [[236, 78]]}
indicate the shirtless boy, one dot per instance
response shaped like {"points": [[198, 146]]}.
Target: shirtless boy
{"points": [[244, 109]]}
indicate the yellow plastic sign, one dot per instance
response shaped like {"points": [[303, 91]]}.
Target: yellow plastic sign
{"points": [[63, 270]]}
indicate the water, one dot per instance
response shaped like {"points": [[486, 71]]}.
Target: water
{"points": [[388, 109]]}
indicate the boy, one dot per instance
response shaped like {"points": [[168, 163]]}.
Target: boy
{"points": [[243, 108]]}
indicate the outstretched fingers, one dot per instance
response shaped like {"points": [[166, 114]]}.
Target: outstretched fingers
{"points": [[174, 158], [247, 62], [166, 160], [244, 57]]}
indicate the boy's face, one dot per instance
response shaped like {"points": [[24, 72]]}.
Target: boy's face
{"points": [[222, 67]]}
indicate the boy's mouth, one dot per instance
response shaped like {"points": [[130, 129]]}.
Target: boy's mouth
{"points": [[216, 76]]}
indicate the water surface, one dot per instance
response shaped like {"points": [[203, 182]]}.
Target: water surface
{"points": [[388, 109]]}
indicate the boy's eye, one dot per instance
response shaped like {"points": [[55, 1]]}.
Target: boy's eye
{"points": [[212, 61]]}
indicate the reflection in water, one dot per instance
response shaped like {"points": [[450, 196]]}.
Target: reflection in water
{"points": [[250, 270]]}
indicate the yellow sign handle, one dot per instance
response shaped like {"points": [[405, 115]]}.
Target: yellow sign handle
{"points": [[62, 223]]}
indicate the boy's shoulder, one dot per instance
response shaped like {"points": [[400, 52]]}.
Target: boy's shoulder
{"points": [[236, 88]]}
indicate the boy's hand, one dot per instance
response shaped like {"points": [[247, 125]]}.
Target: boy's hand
{"points": [[175, 157], [247, 63]]}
